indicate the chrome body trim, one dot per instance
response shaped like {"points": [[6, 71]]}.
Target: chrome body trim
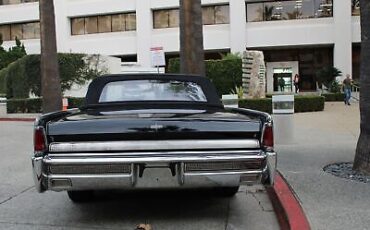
{"points": [[156, 172], [107, 146]]}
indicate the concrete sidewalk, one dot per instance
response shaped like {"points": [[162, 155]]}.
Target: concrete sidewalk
{"points": [[323, 138]]}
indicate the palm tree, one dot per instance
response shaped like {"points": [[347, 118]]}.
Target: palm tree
{"points": [[191, 38], [362, 158], [50, 80]]}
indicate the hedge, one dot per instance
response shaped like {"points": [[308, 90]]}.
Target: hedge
{"points": [[34, 105], [333, 96], [22, 77], [225, 74], [263, 104], [301, 104]]}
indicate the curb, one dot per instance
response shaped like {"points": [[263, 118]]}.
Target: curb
{"points": [[288, 210], [18, 119]]}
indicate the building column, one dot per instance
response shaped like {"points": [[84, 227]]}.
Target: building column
{"points": [[343, 37], [62, 26], [237, 26], [144, 25]]}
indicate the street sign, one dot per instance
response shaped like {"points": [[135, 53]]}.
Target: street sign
{"points": [[158, 57]]}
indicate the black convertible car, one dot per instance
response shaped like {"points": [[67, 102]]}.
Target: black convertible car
{"points": [[152, 131]]}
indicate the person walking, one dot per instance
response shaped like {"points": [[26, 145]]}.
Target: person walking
{"points": [[347, 89], [282, 84], [296, 83]]}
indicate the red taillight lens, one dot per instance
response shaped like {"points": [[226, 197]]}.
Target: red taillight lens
{"points": [[268, 137], [39, 140]]}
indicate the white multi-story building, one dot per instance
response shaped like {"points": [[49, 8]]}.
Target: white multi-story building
{"points": [[299, 36]]}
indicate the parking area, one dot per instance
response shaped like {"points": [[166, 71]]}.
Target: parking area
{"points": [[21, 207]]}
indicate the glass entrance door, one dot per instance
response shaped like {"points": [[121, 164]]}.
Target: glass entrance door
{"points": [[283, 80]]}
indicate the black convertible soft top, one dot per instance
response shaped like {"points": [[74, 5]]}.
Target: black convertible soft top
{"points": [[97, 85]]}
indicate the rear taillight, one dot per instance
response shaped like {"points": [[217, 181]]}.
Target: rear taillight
{"points": [[268, 137], [39, 140]]}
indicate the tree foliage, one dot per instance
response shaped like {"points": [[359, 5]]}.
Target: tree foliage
{"points": [[327, 77], [12, 54], [23, 76]]}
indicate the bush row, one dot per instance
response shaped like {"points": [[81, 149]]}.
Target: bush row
{"points": [[301, 104], [333, 96], [34, 105], [225, 74]]}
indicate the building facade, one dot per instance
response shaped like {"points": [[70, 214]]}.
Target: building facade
{"points": [[297, 37]]}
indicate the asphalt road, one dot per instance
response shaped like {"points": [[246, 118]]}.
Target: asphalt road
{"points": [[21, 207]]}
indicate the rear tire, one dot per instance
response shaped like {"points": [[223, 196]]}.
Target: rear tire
{"points": [[80, 196], [228, 191]]}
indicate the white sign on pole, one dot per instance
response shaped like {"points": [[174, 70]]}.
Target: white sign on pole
{"points": [[158, 57]]}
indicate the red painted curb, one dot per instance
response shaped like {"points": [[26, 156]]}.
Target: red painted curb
{"points": [[286, 205], [18, 119]]}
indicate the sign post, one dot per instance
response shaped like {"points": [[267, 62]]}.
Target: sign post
{"points": [[158, 57]]}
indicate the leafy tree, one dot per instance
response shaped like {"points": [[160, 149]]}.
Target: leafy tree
{"points": [[362, 158], [14, 53], [327, 77]]}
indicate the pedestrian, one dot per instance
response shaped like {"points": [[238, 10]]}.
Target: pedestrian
{"points": [[296, 83], [282, 84], [347, 89]]}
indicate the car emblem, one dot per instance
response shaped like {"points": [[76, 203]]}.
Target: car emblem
{"points": [[156, 127]]}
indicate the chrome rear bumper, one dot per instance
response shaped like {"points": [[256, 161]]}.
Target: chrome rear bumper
{"points": [[94, 171]]}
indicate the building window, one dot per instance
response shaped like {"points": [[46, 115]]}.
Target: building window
{"points": [[355, 7], [169, 18], [216, 15], [29, 30], [103, 24], [11, 2], [166, 18], [289, 10]]}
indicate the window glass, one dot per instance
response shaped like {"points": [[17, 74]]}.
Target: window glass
{"points": [[255, 12], [161, 19], [78, 26], [131, 21], [5, 32], [174, 18], [29, 30], [118, 22], [208, 15], [16, 31], [222, 15], [91, 25], [288, 10], [105, 24], [152, 90]]}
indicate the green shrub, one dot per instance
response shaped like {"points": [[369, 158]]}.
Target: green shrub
{"points": [[263, 104], [23, 77], [34, 105], [301, 104], [29, 105], [75, 102], [225, 74], [333, 96], [308, 104]]}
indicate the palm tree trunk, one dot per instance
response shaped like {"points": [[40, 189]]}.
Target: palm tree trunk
{"points": [[50, 80], [362, 158], [191, 38]]}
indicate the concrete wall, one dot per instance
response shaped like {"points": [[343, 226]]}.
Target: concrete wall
{"points": [[339, 31]]}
